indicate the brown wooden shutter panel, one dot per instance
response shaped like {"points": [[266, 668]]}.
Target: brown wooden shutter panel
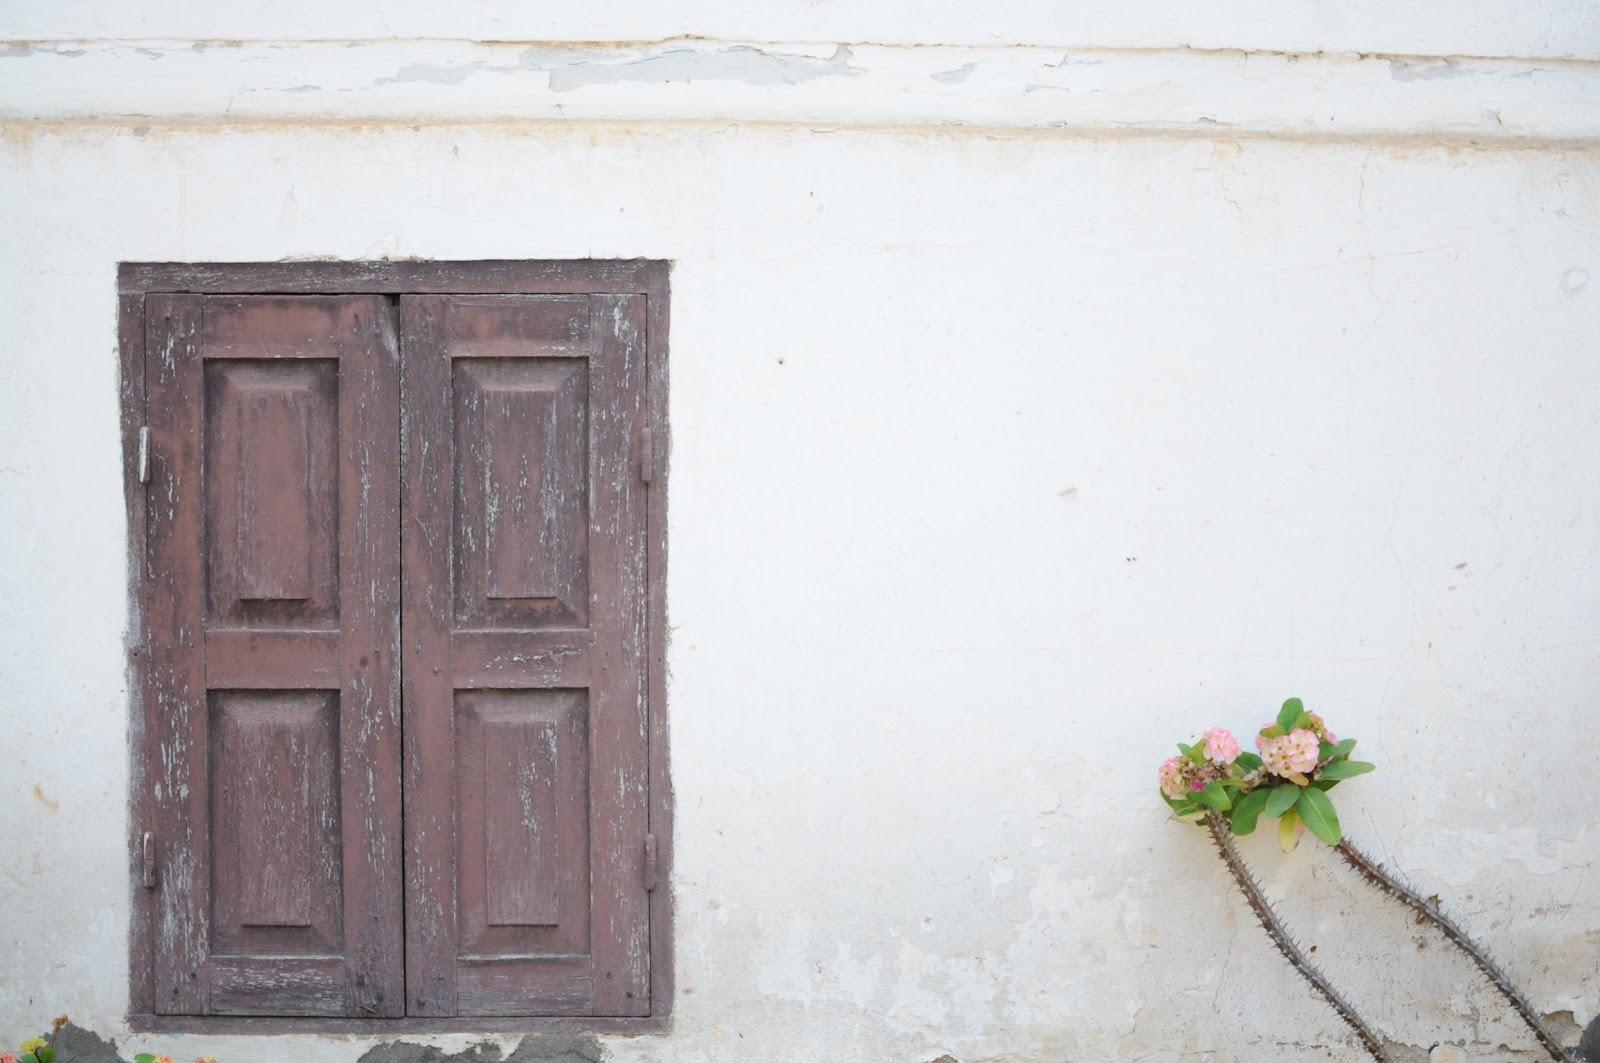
{"points": [[525, 655], [272, 606], [306, 453]]}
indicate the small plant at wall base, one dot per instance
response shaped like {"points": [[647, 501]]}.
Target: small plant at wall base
{"points": [[47, 1050], [33, 1050], [38, 1049], [1299, 760]]}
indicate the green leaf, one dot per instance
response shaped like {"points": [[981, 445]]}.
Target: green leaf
{"points": [[1214, 796], [1324, 750], [1289, 831], [27, 1057], [1343, 749], [1281, 799], [1184, 747], [47, 1054], [1248, 761], [1183, 808], [1290, 714], [1347, 769], [1320, 818], [1272, 730], [145, 1057], [1247, 810]]}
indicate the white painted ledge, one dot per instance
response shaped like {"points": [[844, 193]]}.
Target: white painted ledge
{"points": [[1541, 29], [1100, 91]]}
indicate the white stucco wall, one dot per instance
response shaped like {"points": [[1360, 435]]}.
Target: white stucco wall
{"points": [[1008, 447]]}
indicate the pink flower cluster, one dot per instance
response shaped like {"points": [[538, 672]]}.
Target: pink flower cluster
{"points": [[1181, 776], [1299, 762], [1289, 755], [1221, 746], [1296, 754]]}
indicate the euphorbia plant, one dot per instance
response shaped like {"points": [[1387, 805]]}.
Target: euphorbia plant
{"points": [[1228, 790], [1300, 760]]}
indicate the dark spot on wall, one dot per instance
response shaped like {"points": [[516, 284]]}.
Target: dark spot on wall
{"points": [[559, 1047], [408, 1052], [1589, 1047], [78, 1045]]}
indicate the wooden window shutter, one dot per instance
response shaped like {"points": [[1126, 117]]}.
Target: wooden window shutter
{"points": [[525, 656], [401, 633], [272, 607]]}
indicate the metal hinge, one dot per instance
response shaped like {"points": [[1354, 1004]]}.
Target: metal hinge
{"points": [[144, 454], [149, 860], [649, 862], [647, 455]]}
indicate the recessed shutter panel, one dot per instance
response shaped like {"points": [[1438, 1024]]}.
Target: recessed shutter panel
{"points": [[525, 654], [272, 613]]}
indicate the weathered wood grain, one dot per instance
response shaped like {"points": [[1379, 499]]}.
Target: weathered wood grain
{"points": [[131, 341], [369, 593], [483, 276], [275, 512], [619, 778], [175, 687], [525, 557], [662, 970]]}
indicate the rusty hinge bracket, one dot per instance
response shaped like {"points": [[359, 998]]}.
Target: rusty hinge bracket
{"points": [[647, 455], [144, 454], [649, 862], [149, 856]]}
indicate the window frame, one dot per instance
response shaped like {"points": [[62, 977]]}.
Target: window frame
{"points": [[647, 277]]}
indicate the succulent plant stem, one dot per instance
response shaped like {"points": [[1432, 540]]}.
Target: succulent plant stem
{"points": [[1222, 835], [1374, 873]]}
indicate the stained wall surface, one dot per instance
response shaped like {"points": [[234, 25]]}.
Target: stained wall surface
{"points": [[1039, 397]]}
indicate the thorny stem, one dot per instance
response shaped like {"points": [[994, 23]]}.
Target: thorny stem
{"points": [[1374, 873], [1222, 834]]}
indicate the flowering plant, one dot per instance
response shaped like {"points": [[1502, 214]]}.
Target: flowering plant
{"points": [[1298, 761], [34, 1050], [43, 1050]]}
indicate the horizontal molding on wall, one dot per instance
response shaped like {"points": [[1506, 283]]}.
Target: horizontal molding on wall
{"points": [[1544, 29], [1210, 93]]}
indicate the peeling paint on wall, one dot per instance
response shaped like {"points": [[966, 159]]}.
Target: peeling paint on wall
{"points": [[753, 66]]}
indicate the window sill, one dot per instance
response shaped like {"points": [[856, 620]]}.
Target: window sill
{"points": [[223, 1025]]}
